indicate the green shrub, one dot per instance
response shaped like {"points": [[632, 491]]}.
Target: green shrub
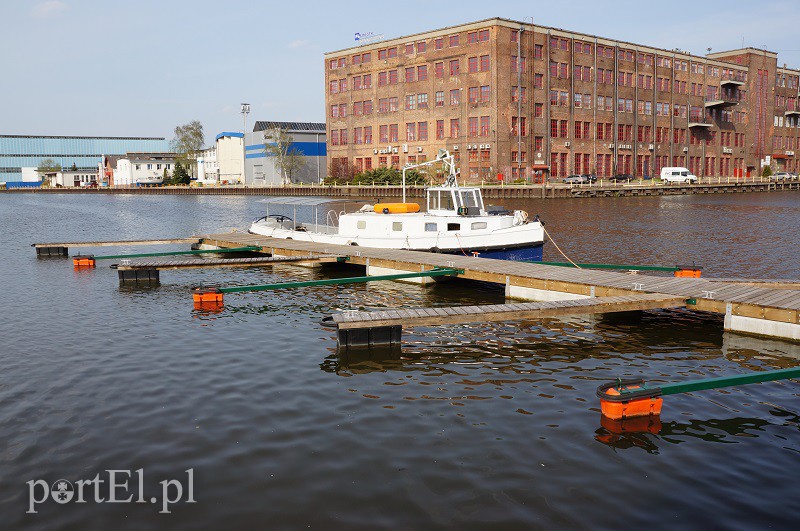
{"points": [[767, 171]]}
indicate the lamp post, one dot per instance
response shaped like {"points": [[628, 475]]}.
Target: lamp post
{"points": [[245, 111]]}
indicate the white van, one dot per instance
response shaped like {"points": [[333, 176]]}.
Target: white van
{"points": [[677, 175]]}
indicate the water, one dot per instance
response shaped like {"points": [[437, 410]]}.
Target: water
{"points": [[470, 426]]}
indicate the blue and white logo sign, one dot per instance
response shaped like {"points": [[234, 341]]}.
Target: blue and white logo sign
{"points": [[367, 37]]}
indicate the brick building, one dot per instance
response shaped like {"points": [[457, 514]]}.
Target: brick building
{"points": [[522, 100]]}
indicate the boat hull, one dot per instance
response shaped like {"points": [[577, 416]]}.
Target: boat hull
{"points": [[532, 253]]}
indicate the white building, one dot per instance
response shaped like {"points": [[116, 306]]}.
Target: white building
{"points": [[208, 167], [61, 178], [141, 169], [230, 158]]}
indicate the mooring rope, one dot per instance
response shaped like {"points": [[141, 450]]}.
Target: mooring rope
{"points": [[559, 249]]}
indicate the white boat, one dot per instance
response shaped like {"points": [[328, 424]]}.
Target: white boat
{"points": [[456, 222]]}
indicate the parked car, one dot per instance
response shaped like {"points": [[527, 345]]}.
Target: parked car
{"points": [[784, 176], [621, 177], [575, 179], [590, 177]]}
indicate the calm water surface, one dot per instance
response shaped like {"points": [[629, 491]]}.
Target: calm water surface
{"points": [[469, 426]]}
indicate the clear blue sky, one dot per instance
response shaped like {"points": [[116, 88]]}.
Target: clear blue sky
{"points": [[81, 67]]}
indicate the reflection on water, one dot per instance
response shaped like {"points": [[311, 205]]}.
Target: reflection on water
{"points": [[649, 433]]}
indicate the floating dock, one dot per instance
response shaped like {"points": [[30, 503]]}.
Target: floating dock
{"points": [[757, 308], [761, 307]]}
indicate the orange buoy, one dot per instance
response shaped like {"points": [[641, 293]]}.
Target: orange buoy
{"points": [[81, 260], [396, 208], [689, 272], [207, 295], [638, 400]]}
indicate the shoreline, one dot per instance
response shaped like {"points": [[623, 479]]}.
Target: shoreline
{"points": [[548, 191]]}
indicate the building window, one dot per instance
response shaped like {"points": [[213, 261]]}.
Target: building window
{"points": [[393, 77], [472, 94], [453, 40], [393, 133], [410, 75], [411, 132], [454, 128], [411, 102], [422, 47], [455, 97], [472, 64], [485, 126], [473, 127], [438, 44], [438, 69], [422, 73], [422, 101], [485, 93], [454, 67], [439, 129], [440, 98]]}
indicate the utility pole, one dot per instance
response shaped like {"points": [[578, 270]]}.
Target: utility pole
{"points": [[245, 111]]}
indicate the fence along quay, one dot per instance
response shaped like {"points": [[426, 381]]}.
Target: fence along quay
{"points": [[759, 307]]}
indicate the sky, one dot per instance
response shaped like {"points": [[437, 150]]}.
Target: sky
{"points": [[140, 68]]}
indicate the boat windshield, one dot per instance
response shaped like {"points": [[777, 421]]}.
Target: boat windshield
{"points": [[440, 200]]}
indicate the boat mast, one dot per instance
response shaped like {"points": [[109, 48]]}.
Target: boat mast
{"points": [[445, 158]]}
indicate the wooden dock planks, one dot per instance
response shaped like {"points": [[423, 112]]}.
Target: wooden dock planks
{"points": [[119, 242], [713, 292], [504, 312], [224, 262]]}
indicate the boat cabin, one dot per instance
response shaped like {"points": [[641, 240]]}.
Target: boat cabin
{"points": [[448, 201]]}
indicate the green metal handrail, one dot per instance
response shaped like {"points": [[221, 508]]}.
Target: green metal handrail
{"points": [[609, 266], [438, 272], [175, 253], [715, 383]]}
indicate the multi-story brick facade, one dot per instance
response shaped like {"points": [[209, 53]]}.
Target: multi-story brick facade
{"points": [[517, 100]]}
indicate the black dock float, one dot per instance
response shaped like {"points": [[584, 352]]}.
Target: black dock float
{"points": [[143, 275], [370, 337], [46, 252]]}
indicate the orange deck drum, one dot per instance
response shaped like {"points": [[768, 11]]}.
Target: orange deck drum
{"points": [[640, 402], [689, 272], [396, 208], [207, 295], [80, 260]]}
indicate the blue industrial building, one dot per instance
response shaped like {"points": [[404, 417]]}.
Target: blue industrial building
{"points": [[308, 140], [84, 152]]}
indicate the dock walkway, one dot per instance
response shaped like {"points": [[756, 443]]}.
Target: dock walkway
{"points": [[747, 307]]}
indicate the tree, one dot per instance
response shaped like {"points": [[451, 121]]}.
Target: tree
{"points": [[179, 175], [48, 166], [187, 143], [289, 160], [767, 171], [340, 171]]}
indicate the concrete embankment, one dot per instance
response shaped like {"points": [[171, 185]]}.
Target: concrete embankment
{"points": [[550, 190]]}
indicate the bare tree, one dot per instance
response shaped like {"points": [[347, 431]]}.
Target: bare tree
{"points": [[289, 160]]}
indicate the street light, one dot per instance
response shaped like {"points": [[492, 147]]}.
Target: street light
{"points": [[245, 111]]}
